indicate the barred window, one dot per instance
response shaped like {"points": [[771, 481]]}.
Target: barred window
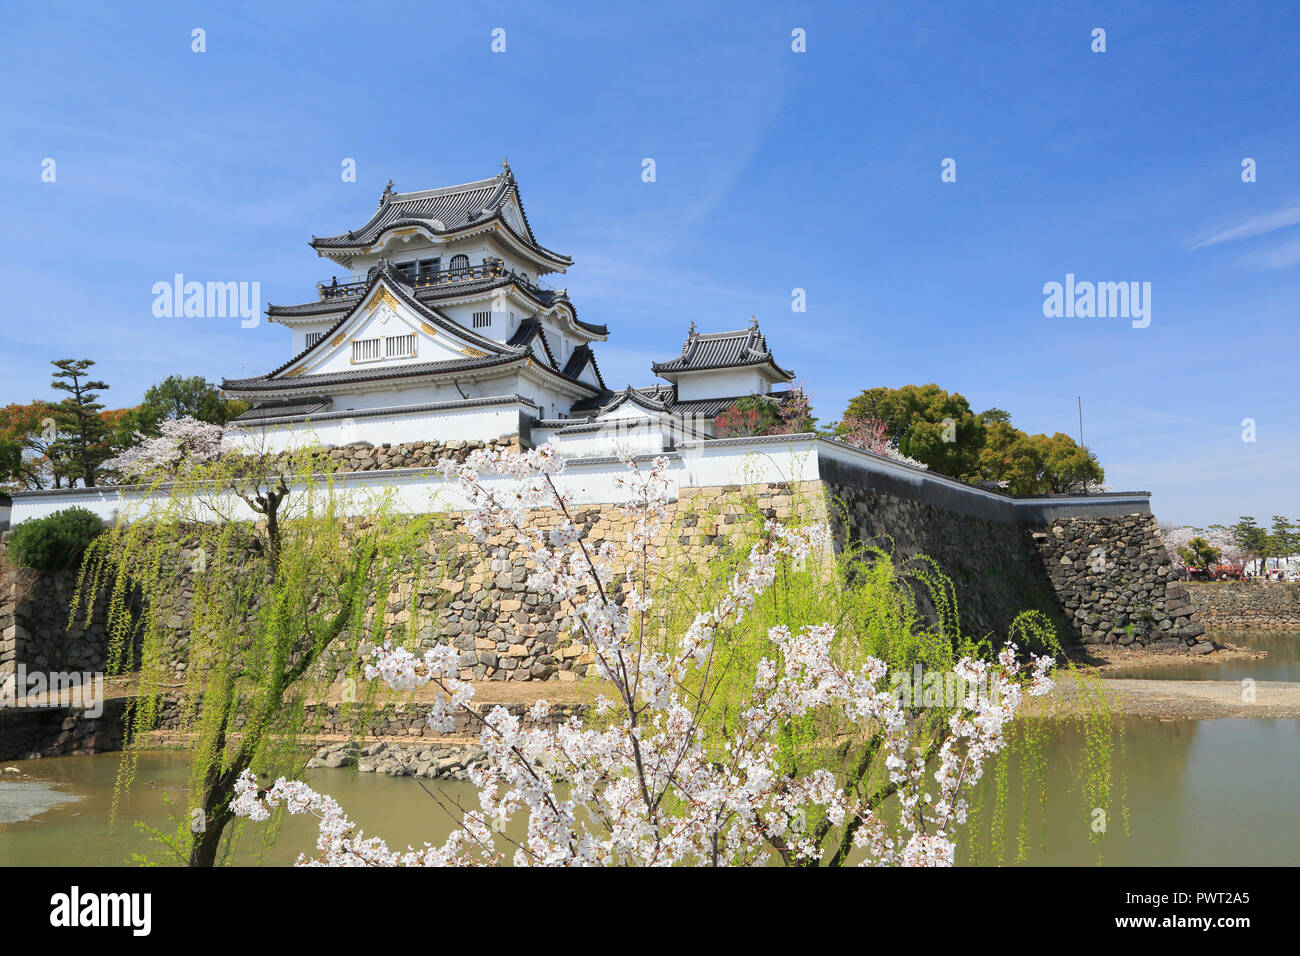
{"points": [[460, 262], [482, 320], [313, 338], [400, 346], [366, 350]]}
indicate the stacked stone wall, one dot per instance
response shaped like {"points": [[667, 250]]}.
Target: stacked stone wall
{"points": [[1236, 605], [1113, 579]]}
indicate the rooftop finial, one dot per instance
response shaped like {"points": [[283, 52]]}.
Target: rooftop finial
{"points": [[505, 164], [692, 331], [387, 194], [753, 321]]}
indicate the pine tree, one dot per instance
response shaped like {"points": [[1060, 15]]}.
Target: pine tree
{"points": [[82, 445]]}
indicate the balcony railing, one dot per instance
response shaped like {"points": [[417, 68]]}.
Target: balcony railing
{"points": [[488, 269]]}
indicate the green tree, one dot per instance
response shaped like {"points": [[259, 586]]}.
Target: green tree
{"points": [[178, 397], [1252, 539], [1067, 465], [1285, 537], [11, 460], [1036, 464], [1199, 553], [931, 425], [84, 436], [279, 606]]}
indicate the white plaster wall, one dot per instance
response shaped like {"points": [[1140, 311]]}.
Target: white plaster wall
{"points": [[720, 384], [392, 428]]}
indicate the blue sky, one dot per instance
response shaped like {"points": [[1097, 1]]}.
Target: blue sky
{"points": [[776, 170]]}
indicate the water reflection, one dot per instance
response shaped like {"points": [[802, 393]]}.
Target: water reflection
{"points": [[1281, 664], [1212, 792]]}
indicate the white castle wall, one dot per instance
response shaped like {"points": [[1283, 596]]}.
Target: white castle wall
{"points": [[591, 479]]}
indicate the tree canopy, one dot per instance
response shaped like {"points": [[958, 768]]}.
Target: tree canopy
{"points": [[939, 429]]}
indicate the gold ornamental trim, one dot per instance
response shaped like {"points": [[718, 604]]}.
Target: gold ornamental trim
{"points": [[383, 298]]}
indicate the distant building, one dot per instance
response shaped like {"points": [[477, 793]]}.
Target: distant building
{"points": [[443, 329]]}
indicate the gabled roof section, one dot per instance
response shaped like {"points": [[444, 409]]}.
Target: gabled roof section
{"points": [[705, 351], [636, 397], [582, 357], [396, 283], [446, 210], [530, 330], [517, 351], [660, 394]]}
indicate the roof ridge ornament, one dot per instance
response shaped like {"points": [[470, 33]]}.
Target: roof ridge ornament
{"points": [[384, 197]]}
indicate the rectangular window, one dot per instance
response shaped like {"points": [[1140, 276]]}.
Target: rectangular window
{"points": [[365, 350], [400, 346], [407, 269], [429, 267], [482, 320], [313, 338]]}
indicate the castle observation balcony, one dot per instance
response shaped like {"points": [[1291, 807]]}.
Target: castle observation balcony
{"points": [[350, 286]]}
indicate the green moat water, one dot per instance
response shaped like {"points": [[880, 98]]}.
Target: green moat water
{"points": [[1197, 792]]}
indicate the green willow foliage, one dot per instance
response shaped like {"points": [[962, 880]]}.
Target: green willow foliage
{"points": [[261, 615], [904, 612]]}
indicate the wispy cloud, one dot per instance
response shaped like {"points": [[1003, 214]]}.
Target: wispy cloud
{"points": [[1285, 255], [1255, 226]]}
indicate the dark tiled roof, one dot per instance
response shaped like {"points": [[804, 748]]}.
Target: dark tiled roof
{"points": [[267, 383], [294, 407], [713, 407], [578, 361], [451, 290], [666, 395], [714, 350], [442, 211]]}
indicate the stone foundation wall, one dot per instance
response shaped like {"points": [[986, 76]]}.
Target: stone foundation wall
{"points": [[363, 456], [504, 631], [27, 732], [480, 604], [992, 566], [34, 610], [1114, 582], [1101, 579], [1235, 605]]}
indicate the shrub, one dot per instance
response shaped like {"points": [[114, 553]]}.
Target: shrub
{"points": [[55, 543]]}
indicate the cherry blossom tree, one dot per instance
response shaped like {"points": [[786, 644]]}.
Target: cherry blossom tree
{"points": [[648, 781], [872, 434], [181, 445]]}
